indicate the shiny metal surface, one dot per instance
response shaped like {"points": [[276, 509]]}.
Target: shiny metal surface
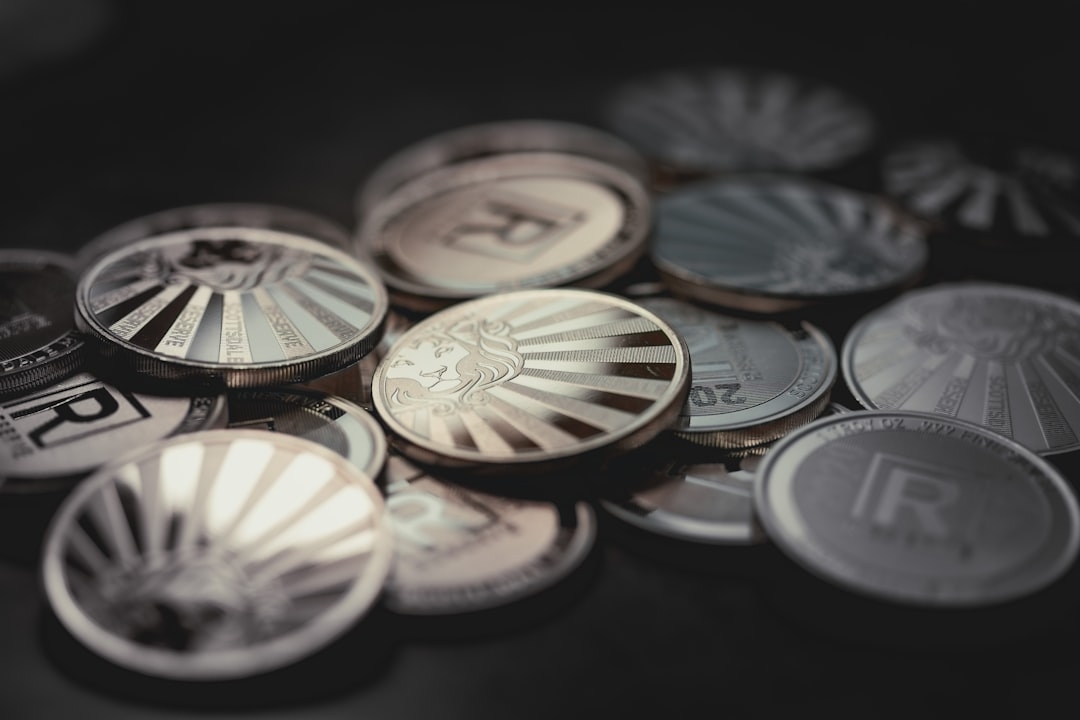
{"points": [[773, 243], [506, 222], [918, 508], [531, 378], [459, 551], [217, 555], [229, 306], [1002, 356]]}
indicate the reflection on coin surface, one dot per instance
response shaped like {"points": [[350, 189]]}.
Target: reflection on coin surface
{"points": [[917, 508], [53, 435], [37, 347], [332, 422], [217, 555], [1002, 356], [459, 551], [750, 381], [769, 244], [530, 378], [729, 119], [476, 141], [240, 307], [507, 222]]}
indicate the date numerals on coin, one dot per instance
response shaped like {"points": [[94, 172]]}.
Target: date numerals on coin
{"points": [[709, 395]]}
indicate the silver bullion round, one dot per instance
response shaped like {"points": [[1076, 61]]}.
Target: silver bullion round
{"points": [[53, 436], [217, 555], [734, 119], [1002, 356], [231, 306], [918, 508], [330, 421], [532, 379], [773, 243], [495, 138], [751, 381], [507, 222], [460, 551]]}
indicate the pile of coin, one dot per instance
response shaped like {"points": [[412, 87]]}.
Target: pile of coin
{"points": [[257, 427]]}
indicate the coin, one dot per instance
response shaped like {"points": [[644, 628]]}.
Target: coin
{"points": [[493, 138], [461, 551], [217, 555], [332, 422], [735, 119], [1002, 356], [750, 381], [531, 379], [918, 508], [771, 243], [506, 222], [230, 306], [51, 437], [37, 346]]}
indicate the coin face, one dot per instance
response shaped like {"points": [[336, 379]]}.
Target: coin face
{"points": [[750, 381], [731, 119], [769, 244], [54, 435], [238, 307], [507, 222], [37, 347], [1002, 356], [459, 551], [530, 379], [217, 555], [918, 508]]}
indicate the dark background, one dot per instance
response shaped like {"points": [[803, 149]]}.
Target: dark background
{"points": [[113, 109]]}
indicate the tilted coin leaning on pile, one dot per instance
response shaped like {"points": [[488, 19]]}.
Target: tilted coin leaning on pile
{"points": [[257, 426]]}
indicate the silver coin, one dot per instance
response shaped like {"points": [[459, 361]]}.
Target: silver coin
{"points": [[231, 306], [507, 222], [51, 437], [750, 381], [217, 555], [772, 243], [494, 138], [532, 379], [459, 550], [1002, 356], [918, 508], [332, 422], [732, 119]]}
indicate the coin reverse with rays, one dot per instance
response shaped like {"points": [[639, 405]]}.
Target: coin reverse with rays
{"points": [[507, 222], [750, 381], [917, 508], [217, 555], [532, 379], [1002, 356], [770, 244], [460, 551], [231, 306]]}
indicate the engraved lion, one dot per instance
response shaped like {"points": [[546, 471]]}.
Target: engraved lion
{"points": [[225, 264]]}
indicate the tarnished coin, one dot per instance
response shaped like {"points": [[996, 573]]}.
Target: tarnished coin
{"points": [[217, 555], [731, 119], [507, 222], [1002, 356], [750, 381], [37, 347], [51, 437], [231, 306], [532, 379], [918, 508], [330, 421], [494, 138], [771, 243], [459, 551]]}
